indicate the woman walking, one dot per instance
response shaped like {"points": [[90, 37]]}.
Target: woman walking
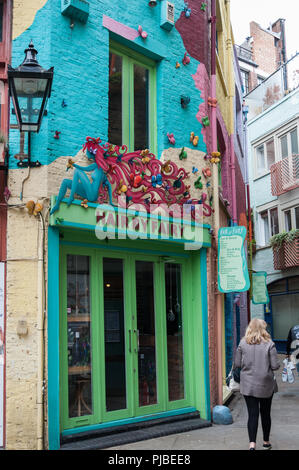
{"points": [[257, 357]]}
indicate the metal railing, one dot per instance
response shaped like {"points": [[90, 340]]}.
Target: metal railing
{"points": [[244, 53], [285, 175], [274, 88]]}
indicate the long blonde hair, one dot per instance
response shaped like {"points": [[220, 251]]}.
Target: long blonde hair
{"points": [[256, 332]]}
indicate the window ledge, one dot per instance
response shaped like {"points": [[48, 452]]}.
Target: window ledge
{"points": [[131, 38], [262, 176], [261, 248]]}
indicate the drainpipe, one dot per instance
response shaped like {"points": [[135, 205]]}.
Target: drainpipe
{"points": [[284, 54], [249, 252], [232, 127], [250, 228], [216, 202], [40, 339]]}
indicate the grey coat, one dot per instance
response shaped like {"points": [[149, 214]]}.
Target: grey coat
{"points": [[257, 362]]}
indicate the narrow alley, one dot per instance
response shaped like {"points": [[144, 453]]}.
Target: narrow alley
{"points": [[284, 434]]}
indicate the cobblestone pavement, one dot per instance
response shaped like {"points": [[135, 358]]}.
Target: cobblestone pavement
{"points": [[284, 433]]}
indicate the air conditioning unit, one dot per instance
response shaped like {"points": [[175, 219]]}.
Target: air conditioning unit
{"points": [[75, 9], [167, 15]]}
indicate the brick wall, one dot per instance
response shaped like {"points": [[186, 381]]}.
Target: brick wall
{"points": [[263, 48], [277, 27]]}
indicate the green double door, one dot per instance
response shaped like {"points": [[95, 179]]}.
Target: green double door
{"points": [[123, 347]]}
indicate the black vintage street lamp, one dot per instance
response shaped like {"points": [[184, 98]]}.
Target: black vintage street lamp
{"points": [[30, 87]]}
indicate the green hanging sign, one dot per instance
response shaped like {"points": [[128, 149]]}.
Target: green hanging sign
{"points": [[259, 288], [232, 263]]}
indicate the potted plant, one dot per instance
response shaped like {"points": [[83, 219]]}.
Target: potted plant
{"points": [[285, 249]]}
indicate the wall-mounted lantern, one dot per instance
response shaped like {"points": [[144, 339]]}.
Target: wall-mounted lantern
{"points": [[30, 87]]}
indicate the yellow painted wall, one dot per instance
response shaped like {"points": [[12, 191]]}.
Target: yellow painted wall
{"points": [[24, 12], [225, 65]]}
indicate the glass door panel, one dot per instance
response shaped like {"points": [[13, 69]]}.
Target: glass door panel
{"points": [[146, 333], [114, 323], [141, 107], [123, 337], [115, 99], [79, 336], [174, 322]]}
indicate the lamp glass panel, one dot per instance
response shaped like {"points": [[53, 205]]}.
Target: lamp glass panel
{"points": [[30, 86], [30, 108]]}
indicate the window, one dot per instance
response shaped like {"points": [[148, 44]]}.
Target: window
{"points": [[265, 234], [274, 221], [265, 157], [269, 226], [260, 80], [245, 80], [132, 100], [287, 220], [291, 219], [289, 144]]}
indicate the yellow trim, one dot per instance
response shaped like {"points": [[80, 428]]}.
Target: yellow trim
{"points": [[225, 65]]}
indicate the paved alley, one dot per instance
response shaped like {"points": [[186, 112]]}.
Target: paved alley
{"points": [[284, 434]]}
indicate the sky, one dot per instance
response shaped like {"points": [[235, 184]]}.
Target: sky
{"points": [[265, 12]]}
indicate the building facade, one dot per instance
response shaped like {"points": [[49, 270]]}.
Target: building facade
{"points": [[110, 314], [262, 53], [89, 343], [274, 182], [232, 195], [5, 56]]}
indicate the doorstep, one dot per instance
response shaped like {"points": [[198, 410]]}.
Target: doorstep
{"points": [[120, 435]]}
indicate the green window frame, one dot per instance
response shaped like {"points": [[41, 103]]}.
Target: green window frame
{"points": [[129, 60]]}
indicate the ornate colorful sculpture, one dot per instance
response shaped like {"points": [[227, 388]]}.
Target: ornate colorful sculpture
{"points": [[142, 33], [205, 121], [183, 155], [194, 139], [187, 11], [80, 184], [198, 184], [186, 59], [115, 173], [207, 172], [215, 157], [171, 138]]}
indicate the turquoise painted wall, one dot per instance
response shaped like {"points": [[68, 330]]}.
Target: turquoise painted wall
{"points": [[80, 60]]}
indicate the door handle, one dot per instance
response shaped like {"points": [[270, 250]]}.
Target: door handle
{"points": [[130, 341], [137, 333]]}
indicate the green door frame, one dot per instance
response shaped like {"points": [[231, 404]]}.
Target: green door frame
{"points": [[129, 58], [195, 274], [100, 415]]}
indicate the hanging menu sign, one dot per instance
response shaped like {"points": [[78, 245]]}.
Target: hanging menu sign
{"points": [[259, 288], [232, 264]]}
